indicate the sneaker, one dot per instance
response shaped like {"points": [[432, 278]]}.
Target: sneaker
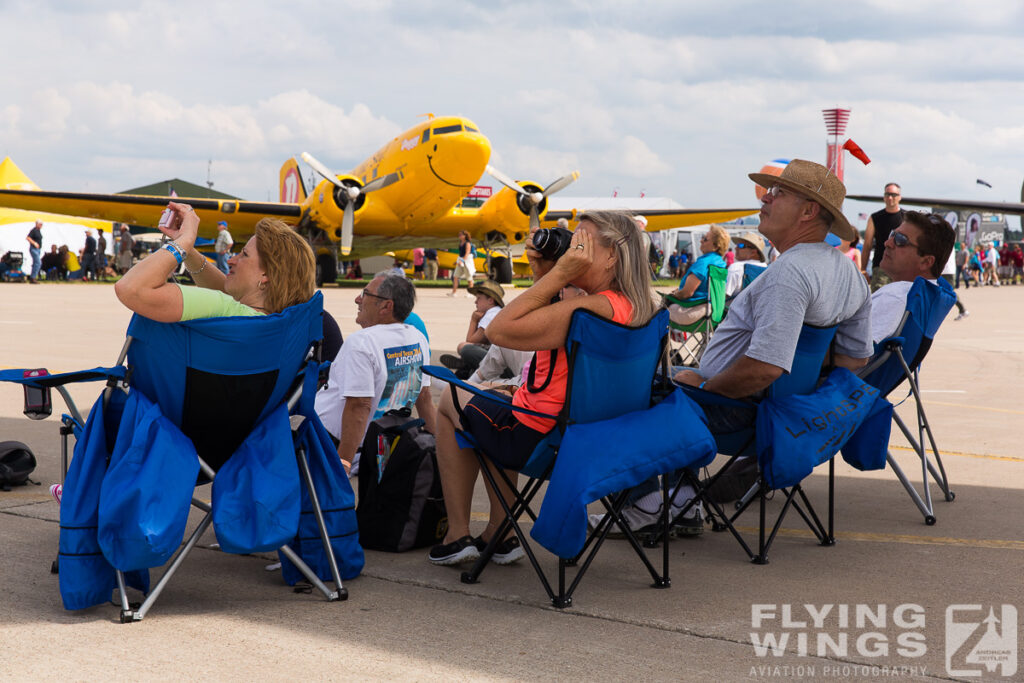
{"points": [[451, 362], [690, 525], [456, 552], [507, 552], [57, 491], [470, 296], [962, 315], [450, 294], [735, 483], [273, 567], [637, 519]]}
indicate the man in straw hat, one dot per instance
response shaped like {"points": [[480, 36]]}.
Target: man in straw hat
{"points": [[749, 248], [810, 282]]}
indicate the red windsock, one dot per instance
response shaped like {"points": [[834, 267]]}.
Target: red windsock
{"points": [[854, 149]]}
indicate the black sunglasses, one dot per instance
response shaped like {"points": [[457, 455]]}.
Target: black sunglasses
{"points": [[901, 240]]}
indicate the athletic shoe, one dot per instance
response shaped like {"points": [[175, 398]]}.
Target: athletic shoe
{"points": [[451, 362], [734, 483], [637, 519], [456, 552], [273, 566], [57, 491], [962, 315], [507, 552], [690, 525]]}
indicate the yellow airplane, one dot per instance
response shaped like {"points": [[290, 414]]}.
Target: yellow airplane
{"points": [[406, 194]]}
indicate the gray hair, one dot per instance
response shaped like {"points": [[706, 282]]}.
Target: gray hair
{"points": [[402, 294], [563, 223]]}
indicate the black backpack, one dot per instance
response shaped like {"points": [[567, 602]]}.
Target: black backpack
{"points": [[401, 505], [16, 463]]}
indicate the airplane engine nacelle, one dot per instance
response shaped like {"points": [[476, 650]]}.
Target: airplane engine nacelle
{"points": [[327, 205], [509, 212]]}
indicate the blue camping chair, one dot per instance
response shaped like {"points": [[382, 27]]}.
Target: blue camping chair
{"points": [[897, 360], [751, 271], [812, 348], [229, 399], [607, 438]]}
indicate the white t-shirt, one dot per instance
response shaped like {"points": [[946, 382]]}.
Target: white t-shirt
{"points": [[888, 304], [383, 362], [489, 315], [734, 280]]}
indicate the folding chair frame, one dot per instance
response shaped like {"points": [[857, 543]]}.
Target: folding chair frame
{"points": [[935, 470], [700, 331], [130, 612]]}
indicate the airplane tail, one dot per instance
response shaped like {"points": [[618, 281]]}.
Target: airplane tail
{"points": [[11, 177], [293, 191]]}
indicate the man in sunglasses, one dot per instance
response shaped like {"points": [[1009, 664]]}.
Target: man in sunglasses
{"points": [[880, 224], [810, 283], [919, 247], [379, 367], [749, 248]]}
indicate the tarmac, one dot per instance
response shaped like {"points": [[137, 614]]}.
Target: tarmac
{"points": [[905, 600]]}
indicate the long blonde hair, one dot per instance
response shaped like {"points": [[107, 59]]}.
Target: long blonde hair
{"points": [[288, 261], [618, 231]]}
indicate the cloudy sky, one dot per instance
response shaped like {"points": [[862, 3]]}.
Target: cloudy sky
{"points": [[673, 98]]}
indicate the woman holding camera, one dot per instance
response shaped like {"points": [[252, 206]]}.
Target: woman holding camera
{"points": [[274, 270], [606, 258]]}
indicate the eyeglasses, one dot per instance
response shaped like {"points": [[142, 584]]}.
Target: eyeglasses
{"points": [[891, 194], [901, 240], [775, 190], [367, 292]]}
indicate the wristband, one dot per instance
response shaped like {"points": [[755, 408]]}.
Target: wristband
{"points": [[701, 385], [177, 252]]}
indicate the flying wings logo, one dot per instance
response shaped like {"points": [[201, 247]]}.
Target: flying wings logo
{"points": [[410, 143]]}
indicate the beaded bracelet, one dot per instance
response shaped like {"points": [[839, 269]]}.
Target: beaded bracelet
{"points": [[176, 251], [197, 270]]}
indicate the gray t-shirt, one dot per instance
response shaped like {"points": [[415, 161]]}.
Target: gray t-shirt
{"points": [[809, 283]]}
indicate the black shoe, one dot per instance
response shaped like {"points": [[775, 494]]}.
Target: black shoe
{"points": [[456, 552], [451, 362], [692, 524], [734, 483], [507, 552]]}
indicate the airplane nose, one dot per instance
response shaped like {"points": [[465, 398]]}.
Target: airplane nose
{"points": [[461, 159]]}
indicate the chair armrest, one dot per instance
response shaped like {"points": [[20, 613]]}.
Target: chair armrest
{"points": [[49, 381], [446, 375], [669, 299]]}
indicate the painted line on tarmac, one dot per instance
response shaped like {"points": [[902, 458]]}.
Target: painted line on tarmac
{"points": [[967, 405], [996, 544], [982, 456]]}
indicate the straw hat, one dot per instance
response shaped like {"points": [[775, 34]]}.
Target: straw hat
{"points": [[491, 289], [753, 239], [816, 183]]}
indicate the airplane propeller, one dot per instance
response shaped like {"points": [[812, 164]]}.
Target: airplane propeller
{"points": [[534, 198], [349, 196]]}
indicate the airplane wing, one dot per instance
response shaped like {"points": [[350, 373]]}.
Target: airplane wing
{"points": [[663, 219], [142, 210], [1014, 208]]}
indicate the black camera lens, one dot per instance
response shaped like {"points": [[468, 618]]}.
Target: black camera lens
{"points": [[552, 242]]}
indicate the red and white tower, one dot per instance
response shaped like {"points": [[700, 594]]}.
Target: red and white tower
{"points": [[835, 124]]}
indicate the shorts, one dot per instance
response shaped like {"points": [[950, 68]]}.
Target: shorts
{"points": [[462, 272], [418, 269], [504, 438]]}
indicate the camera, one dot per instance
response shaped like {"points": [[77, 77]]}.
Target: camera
{"points": [[552, 242]]}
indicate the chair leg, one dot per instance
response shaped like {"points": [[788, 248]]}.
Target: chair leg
{"points": [[129, 616], [341, 593]]}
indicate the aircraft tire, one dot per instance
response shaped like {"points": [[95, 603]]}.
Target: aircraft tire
{"points": [[501, 270], [326, 269]]}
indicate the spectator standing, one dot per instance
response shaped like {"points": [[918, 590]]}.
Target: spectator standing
{"points": [[222, 247], [101, 255], [1017, 261], [89, 256], [417, 263], [125, 250], [430, 263], [880, 224], [35, 250], [962, 254], [464, 264], [991, 264]]}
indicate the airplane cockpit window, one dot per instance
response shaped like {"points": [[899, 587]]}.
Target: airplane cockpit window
{"points": [[471, 129], [426, 135], [448, 129]]}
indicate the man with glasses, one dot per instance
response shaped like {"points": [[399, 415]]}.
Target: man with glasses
{"points": [[810, 283], [919, 247], [379, 368], [880, 224], [749, 248]]}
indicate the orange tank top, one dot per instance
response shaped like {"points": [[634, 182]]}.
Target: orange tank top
{"points": [[544, 388]]}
